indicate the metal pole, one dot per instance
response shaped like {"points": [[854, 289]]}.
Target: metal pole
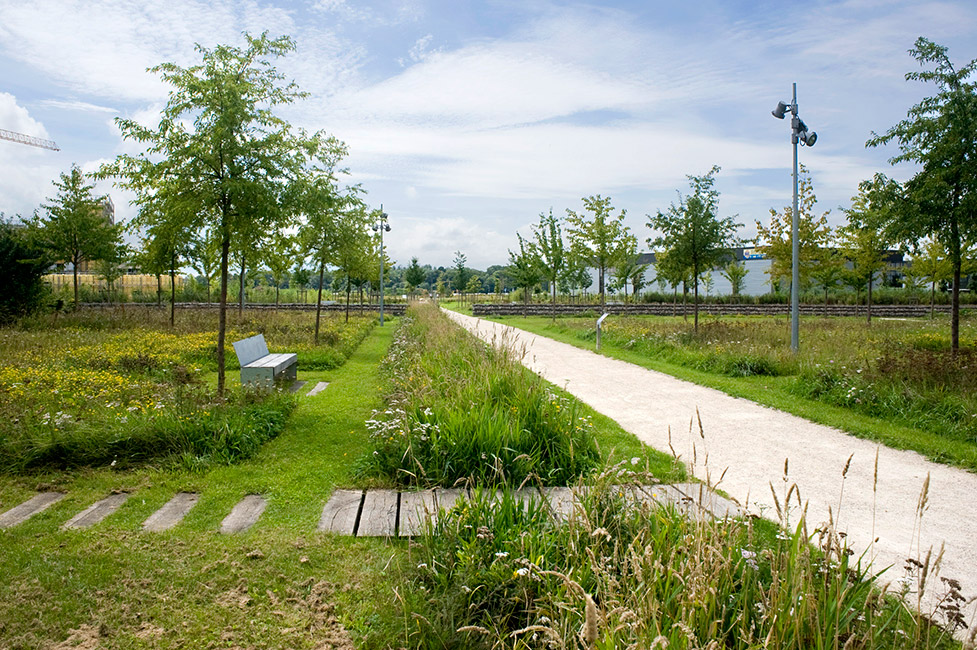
{"points": [[381, 254], [795, 243]]}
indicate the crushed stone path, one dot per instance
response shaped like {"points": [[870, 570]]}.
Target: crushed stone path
{"points": [[751, 444]]}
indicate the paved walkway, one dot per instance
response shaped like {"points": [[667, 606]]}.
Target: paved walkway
{"points": [[751, 443]]}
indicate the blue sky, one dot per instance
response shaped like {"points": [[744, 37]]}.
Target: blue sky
{"points": [[468, 119]]}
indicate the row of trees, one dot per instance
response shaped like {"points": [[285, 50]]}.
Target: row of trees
{"points": [[560, 252]]}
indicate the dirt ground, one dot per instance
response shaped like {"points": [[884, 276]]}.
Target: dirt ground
{"points": [[751, 445]]}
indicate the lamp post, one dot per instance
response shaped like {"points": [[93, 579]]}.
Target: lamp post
{"points": [[798, 133], [380, 226]]}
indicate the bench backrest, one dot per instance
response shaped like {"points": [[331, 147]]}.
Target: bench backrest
{"points": [[250, 349]]}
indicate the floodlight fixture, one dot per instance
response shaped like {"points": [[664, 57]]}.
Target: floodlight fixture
{"points": [[780, 111]]}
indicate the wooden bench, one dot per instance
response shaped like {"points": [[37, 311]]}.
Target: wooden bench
{"points": [[258, 367]]}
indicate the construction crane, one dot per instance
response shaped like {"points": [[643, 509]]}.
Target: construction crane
{"points": [[28, 139]]}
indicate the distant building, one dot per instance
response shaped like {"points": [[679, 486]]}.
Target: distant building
{"points": [[757, 280]]}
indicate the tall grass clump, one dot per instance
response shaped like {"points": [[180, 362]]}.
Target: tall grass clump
{"points": [[626, 573], [459, 410]]}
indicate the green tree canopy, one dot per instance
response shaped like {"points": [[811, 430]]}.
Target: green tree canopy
{"points": [[814, 233], [938, 135], [75, 229], [414, 275], [598, 239], [864, 238], [692, 233], [550, 250], [221, 149], [524, 269], [24, 263]]}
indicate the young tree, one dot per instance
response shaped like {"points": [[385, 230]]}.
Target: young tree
{"points": [[460, 280], [863, 238], [693, 235], [735, 274], [524, 268], [221, 148], [414, 276], [774, 240], [279, 252], [938, 135], [112, 265], [599, 239], [203, 256], [75, 229], [828, 272], [932, 264], [351, 255], [550, 250], [708, 283], [474, 285]]}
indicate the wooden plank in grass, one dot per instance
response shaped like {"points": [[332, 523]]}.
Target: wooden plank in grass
{"points": [[29, 508], [96, 512], [447, 497], [415, 508], [341, 512], [709, 501], [318, 388], [171, 513], [244, 514], [379, 515], [296, 386], [561, 502]]}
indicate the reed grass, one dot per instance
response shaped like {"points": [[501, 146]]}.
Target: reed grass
{"points": [[621, 574], [459, 411]]}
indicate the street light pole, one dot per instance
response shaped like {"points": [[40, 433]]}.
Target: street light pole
{"points": [[795, 244], [798, 134], [380, 226]]}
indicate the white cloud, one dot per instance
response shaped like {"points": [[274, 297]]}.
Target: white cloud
{"points": [[104, 48], [77, 106]]}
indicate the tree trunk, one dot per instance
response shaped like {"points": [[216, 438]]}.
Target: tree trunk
{"points": [[933, 298], [349, 289], [695, 304], [868, 305], [600, 287], [318, 302], [159, 290], [277, 289], [74, 271], [826, 301], [222, 310], [172, 293], [240, 298], [955, 309]]}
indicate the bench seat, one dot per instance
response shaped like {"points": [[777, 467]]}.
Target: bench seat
{"points": [[259, 367]]}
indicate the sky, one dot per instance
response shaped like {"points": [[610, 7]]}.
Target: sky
{"points": [[466, 120]]}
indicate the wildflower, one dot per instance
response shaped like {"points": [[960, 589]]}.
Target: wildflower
{"points": [[520, 572], [501, 554]]}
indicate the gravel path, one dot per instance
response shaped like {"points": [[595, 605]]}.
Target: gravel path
{"points": [[751, 444]]}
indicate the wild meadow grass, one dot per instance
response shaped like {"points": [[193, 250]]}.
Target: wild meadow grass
{"points": [[461, 412], [624, 574], [120, 387], [897, 372]]}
